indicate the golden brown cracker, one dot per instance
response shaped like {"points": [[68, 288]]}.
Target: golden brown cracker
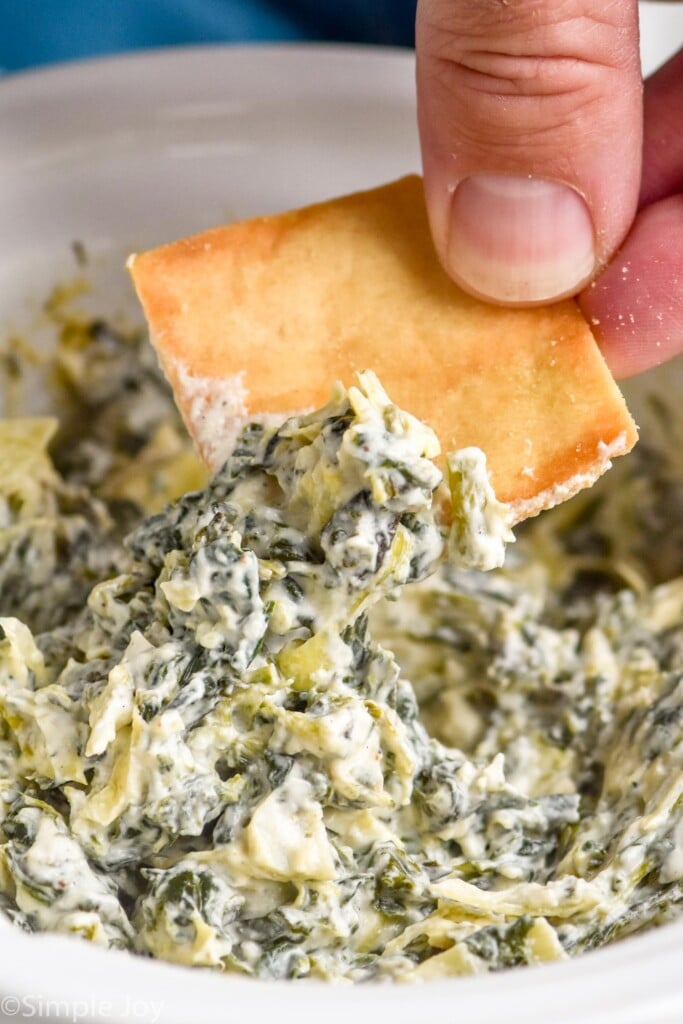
{"points": [[261, 317]]}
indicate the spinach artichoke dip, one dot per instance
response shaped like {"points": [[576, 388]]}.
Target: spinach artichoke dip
{"points": [[270, 728]]}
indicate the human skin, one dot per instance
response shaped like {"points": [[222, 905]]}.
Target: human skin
{"points": [[550, 170]]}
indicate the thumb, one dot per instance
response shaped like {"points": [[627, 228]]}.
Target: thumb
{"points": [[531, 128]]}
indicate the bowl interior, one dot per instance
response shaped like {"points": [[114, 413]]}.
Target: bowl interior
{"points": [[121, 155]]}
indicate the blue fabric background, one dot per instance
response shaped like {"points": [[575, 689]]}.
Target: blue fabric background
{"points": [[34, 32]]}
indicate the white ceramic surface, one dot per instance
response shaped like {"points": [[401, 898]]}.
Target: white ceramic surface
{"points": [[127, 153]]}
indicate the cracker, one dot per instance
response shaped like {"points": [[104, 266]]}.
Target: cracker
{"points": [[258, 319]]}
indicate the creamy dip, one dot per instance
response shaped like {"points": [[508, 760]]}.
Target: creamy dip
{"points": [[276, 731]]}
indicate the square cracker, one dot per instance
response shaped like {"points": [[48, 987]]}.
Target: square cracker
{"points": [[258, 319]]}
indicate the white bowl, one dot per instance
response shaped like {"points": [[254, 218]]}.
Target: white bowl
{"points": [[122, 154]]}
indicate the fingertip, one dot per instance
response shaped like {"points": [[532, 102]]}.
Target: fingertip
{"points": [[519, 240], [532, 97], [635, 306]]}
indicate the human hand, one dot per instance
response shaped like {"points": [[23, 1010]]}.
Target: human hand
{"points": [[531, 123]]}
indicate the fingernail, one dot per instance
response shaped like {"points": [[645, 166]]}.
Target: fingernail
{"points": [[519, 239]]}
